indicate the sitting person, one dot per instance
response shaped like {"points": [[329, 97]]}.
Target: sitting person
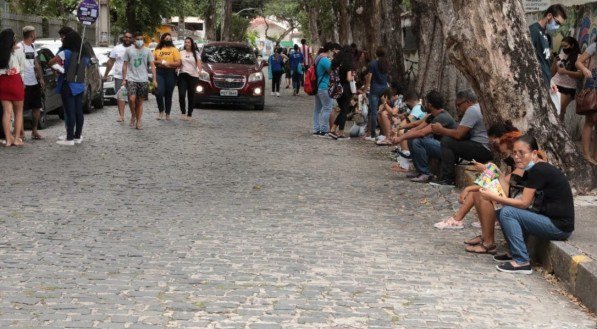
{"points": [[422, 142], [502, 137], [386, 116], [468, 141], [545, 210]]}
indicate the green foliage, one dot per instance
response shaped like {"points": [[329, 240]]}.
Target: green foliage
{"points": [[252, 37], [238, 28], [49, 8]]}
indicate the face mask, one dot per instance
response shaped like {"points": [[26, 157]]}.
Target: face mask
{"points": [[139, 43], [169, 43], [567, 51], [529, 166], [552, 25]]}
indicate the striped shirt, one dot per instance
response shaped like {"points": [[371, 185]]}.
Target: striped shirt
{"points": [[307, 59]]}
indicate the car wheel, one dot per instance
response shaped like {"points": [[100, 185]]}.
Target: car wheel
{"points": [[98, 102], [87, 101], [259, 107]]}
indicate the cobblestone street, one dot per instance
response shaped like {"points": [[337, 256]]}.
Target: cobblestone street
{"points": [[241, 219]]}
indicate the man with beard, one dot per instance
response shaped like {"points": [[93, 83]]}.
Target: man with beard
{"points": [[33, 79], [115, 61]]}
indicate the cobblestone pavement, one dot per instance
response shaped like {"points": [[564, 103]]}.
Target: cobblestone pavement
{"points": [[241, 219]]}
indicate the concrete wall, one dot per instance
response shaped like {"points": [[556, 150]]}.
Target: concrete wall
{"points": [[50, 30]]}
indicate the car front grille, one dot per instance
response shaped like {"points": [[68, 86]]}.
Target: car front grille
{"points": [[229, 81]]}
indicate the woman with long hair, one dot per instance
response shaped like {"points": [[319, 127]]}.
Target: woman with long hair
{"points": [[167, 60], [343, 63], [71, 85], [566, 75], [589, 130], [188, 77], [12, 89], [276, 64], [378, 82]]}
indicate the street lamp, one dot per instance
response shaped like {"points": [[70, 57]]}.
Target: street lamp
{"points": [[240, 11]]}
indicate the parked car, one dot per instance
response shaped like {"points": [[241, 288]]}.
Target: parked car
{"points": [[103, 55], [230, 75]]}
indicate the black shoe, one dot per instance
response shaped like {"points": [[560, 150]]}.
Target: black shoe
{"points": [[502, 258], [442, 182], [508, 268], [317, 133]]}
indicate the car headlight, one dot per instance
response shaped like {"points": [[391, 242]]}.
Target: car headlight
{"points": [[258, 76], [204, 76]]}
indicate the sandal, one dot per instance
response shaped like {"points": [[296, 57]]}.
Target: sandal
{"points": [[474, 241], [384, 143], [482, 249]]}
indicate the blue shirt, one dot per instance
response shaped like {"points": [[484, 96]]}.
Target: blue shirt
{"points": [[323, 67], [379, 81], [296, 58], [75, 87], [417, 112], [276, 65]]}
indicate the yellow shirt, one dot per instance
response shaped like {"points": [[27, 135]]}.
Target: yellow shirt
{"points": [[168, 54]]}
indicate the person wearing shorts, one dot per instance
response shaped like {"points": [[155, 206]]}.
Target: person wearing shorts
{"points": [[115, 62], [135, 78], [33, 79]]}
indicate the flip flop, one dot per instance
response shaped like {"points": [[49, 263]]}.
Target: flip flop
{"points": [[491, 249], [474, 241], [37, 137], [384, 143]]}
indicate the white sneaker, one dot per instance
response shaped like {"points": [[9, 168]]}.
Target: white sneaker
{"points": [[273, 93], [78, 140], [380, 138], [62, 137], [66, 143], [371, 139], [277, 94]]}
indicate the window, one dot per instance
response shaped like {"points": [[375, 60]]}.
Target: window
{"points": [[233, 55]]}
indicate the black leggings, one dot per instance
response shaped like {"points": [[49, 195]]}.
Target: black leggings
{"points": [[186, 85], [344, 104], [276, 77]]}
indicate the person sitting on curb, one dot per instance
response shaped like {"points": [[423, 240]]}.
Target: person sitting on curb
{"points": [[422, 143], [468, 141], [545, 210], [412, 118]]}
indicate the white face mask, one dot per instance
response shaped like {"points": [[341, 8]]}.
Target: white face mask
{"points": [[139, 43]]}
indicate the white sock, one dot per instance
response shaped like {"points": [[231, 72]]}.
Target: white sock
{"points": [[407, 153]]}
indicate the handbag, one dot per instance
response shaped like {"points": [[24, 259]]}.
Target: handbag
{"points": [[586, 100]]}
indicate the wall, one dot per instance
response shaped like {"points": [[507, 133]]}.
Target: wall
{"points": [[17, 21]]}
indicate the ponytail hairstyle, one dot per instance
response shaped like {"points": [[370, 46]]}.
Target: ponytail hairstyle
{"points": [[510, 138], [383, 64], [532, 143]]}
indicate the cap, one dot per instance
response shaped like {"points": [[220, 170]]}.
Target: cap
{"points": [[28, 28]]}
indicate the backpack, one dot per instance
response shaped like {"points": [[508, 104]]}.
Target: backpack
{"points": [[335, 88], [311, 85]]}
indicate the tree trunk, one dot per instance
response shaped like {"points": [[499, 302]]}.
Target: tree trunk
{"points": [[489, 43], [131, 18], [358, 25], [227, 20], [210, 21], [313, 27], [344, 30], [391, 31]]}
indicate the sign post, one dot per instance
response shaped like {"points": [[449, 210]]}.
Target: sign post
{"points": [[87, 13]]}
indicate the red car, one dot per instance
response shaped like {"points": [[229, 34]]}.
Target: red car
{"points": [[230, 75]]}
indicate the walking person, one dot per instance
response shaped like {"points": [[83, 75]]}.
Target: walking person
{"points": [[287, 70], [343, 62], [12, 91], [378, 82], [33, 79], [589, 130], [323, 101], [71, 85], [188, 77], [135, 77], [296, 67], [276, 64], [167, 61], [566, 75], [115, 62]]}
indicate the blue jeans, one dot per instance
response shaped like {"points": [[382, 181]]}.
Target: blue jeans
{"points": [[373, 107], [518, 223], [73, 113], [420, 151], [321, 113], [166, 79]]}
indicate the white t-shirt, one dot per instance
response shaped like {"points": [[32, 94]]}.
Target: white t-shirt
{"points": [[16, 64], [118, 55], [189, 64], [28, 74]]}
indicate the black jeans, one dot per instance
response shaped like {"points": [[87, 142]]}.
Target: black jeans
{"points": [[466, 149], [276, 77], [186, 87], [166, 79], [73, 113], [344, 104]]}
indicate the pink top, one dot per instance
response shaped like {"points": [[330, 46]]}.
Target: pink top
{"points": [[564, 80], [189, 65]]}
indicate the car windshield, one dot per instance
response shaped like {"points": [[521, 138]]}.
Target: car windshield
{"points": [[234, 55]]}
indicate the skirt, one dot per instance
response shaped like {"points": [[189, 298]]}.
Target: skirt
{"points": [[11, 88]]}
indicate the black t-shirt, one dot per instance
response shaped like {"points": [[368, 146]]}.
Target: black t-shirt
{"points": [[445, 119], [557, 204]]}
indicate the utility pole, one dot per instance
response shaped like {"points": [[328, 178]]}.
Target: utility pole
{"points": [[102, 27]]}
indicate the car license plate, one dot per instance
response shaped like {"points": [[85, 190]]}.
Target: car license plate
{"points": [[228, 92]]}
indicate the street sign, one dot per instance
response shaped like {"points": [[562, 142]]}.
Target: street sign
{"points": [[531, 6], [87, 12]]}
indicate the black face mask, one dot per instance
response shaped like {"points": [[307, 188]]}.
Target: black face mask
{"points": [[567, 51], [169, 43]]}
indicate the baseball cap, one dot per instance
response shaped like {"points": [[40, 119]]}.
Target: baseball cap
{"points": [[28, 28]]}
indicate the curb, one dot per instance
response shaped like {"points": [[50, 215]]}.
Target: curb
{"points": [[577, 271]]}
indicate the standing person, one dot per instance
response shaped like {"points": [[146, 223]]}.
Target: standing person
{"points": [[307, 54], [167, 60], [343, 62], [552, 19], [12, 91], [566, 75], [287, 71], [33, 79], [296, 67], [188, 77], [134, 70], [276, 64], [115, 62], [378, 82], [323, 101], [589, 129], [71, 85]]}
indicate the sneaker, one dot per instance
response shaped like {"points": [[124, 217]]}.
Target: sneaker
{"points": [[413, 175], [449, 223], [405, 154], [380, 138], [66, 143], [273, 93], [324, 135], [78, 140], [502, 258], [370, 139], [316, 133], [442, 182], [278, 94], [422, 178], [509, 268], [62, 137], [333, 135]]}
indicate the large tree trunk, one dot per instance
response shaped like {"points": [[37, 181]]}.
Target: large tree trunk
{"points": [[313, 27], [227, 20], [210, 21], [489, 43], [358, 25], [367, 25], [391, 31], [344, 30]]}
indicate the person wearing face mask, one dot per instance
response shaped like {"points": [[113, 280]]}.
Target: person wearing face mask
{"points": [[115, 62], [566, 75], [545, 209], [167, 60], [552, 19]]}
